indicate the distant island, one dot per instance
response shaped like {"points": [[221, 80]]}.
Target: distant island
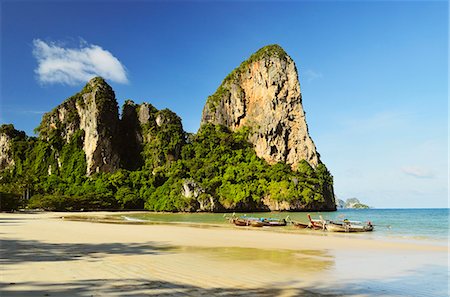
{"points": [[350, 203], [252, 152]]}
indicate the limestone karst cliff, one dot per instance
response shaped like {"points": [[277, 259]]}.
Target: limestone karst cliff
{"points": [[94, 110], [8, 134], [149, 137], [111, 142], [352, 203], [6, 159], [263, 93]]}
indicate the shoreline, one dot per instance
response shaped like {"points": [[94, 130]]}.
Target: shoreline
{"points": [[105, 217], [43, 254]]}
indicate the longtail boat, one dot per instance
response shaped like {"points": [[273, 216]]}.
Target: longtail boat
{"points": [[240, 222], [257, 222], [301, 225], [349, 226], [317, 224], [274, 222]]}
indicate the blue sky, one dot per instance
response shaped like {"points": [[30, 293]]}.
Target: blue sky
{"points": [[373, 74]]}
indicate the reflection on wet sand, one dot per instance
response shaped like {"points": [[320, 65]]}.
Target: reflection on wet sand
{"points": [[303, 260]]}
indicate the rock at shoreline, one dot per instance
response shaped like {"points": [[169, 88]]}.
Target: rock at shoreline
{"points": [[352, 203]]}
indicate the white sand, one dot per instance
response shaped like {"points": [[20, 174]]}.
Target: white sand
{"points": [[44, 255]]}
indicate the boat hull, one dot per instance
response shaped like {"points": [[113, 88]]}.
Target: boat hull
{"points": [[256, 223], [240, 222], [275, 223], [348, 228], [316, 224], [300, 225]]}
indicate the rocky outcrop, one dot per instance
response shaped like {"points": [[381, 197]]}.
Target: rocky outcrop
{"points": [[94, 110], [131, 137], [143, 135], [274, 205], [340, 204], [352, 203], [355, 203], [150, 137], [263, 93], [200, 201], [146, 114], [8, 134], [6, 159]]}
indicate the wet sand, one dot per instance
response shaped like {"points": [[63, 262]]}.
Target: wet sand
{"points": [[44, 255]]}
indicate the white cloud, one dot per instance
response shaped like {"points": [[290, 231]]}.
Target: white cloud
{"points": [[31, 112], [72, 66], [418, 172], [310, 75]]}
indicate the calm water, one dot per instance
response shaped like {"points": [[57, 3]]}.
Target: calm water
{"points": [[417, 224]]}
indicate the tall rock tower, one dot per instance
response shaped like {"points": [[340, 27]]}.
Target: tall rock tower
{"points": [[263, 93], [94, 110]]}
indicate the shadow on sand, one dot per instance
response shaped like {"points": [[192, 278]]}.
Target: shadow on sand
{"points": [[146, 287], [17, 251], [140, 287]]}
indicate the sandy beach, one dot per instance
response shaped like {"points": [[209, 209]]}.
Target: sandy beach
{"points": [[43, 254]]}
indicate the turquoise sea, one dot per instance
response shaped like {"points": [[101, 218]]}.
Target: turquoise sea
{"points": [[407, 224], [404, 223]]}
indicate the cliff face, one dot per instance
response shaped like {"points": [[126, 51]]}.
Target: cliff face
{"points": [[150, 137], [6, 159], [94, 110], [263, 93], [131, 137], [8, 135], [142, 136]]}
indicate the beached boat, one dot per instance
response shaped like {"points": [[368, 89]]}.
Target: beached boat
{"points": [[340, 226], [240, 222], [317, 224], [273, 222], [348, 226], [257, 222], [267, 222], [300, 225]]}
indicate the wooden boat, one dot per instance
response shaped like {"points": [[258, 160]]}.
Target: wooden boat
{"points": [[300, 225], [268, 222], [255, 223], [240, 222], [274, 222], [349, 226], [317, 224]]}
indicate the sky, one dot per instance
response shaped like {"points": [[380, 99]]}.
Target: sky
{"points": [[373, 74]]}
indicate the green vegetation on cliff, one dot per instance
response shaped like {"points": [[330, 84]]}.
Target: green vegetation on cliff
{"points": [[165, 139]]}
